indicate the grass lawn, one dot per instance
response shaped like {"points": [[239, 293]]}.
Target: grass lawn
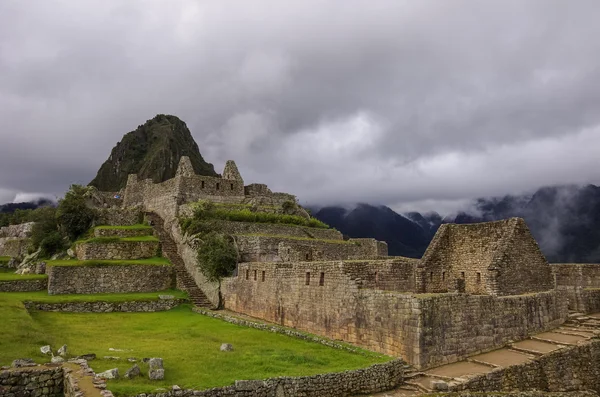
{"points": [[110, 240], [42, 296], [129, 227], [188, 343], [4, 259], [73, 262], [11, 276], [300, 238]]}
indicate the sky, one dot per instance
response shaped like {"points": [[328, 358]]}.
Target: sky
{"points": [[418, 105]]}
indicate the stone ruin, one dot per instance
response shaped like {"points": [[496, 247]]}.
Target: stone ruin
{"points": [[477, 288]]}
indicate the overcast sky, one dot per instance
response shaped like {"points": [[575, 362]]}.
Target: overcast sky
{"points": [[413, 104]]}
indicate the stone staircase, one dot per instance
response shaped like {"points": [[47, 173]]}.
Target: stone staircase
{"points": [[169, 250]]}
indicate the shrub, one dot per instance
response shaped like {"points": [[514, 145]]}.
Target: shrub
{"points": [[217, 257], [45, 224], [73, 215], [52, 243]]}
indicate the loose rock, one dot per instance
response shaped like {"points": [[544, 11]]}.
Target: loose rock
{"points": [[46, 349], [157, 371], [87, 357], [226, 347], [62, 351], [133, 372], [57, 360], [109, 374], [23, 362]]}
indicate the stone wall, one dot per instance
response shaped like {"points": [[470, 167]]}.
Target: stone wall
{"points": [[581, 285], [257, 248], [454, 326], [105, 307], [376, 378], [119, 216], [363, 303], [494, 258], [569, 369], [123, 250], [21, 230], [39, 381], [102, 232], [14, 247], [23, 285], [109, 279]]}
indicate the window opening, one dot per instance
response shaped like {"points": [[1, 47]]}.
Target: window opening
{"points": [[322, 279], [307, 278]]}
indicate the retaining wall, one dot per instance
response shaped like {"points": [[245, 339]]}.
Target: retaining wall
{"points": [[376, 378], [580, 284], [23, 285], [569, 369], [109, 279], [123, 250], [32, 382], [105, 307], [101, 232]]}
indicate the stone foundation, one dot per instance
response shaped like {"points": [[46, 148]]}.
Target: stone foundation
{"points": [[120, 216], [14, 247], [105, 307], [24, 285], [122, 250], [98, 279]]}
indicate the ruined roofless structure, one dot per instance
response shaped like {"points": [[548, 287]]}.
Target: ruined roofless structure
{"points": [[477, 288]]}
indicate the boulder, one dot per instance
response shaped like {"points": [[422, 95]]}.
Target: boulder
{"points": [[71, 253], [226, 347], [109, 374], [46, 349], [155, 363], [156, 374], [133, 372], [156, 371], [439, 385], [62, 351], [23, 362], [57, 360]]}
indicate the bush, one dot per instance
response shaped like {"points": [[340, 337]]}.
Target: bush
{"points": [[73, 215], [217, 257], [51, 244], [45, 224]]}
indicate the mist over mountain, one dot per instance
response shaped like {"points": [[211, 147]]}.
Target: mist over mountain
{"points": [[9, 208], [565, 220]]}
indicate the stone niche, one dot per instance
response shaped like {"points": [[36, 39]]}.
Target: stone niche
{"points": [[109, 279]]}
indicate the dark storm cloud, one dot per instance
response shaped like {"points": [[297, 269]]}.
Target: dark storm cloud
{"points": [[405, 103]]}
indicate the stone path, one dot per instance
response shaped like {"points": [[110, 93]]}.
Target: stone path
{"points": [[576, 329], [169, 250]]}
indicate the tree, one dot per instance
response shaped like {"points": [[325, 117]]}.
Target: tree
{"points": [[217, 257], [73, 215]]}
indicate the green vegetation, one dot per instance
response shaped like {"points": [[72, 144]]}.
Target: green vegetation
{"points": [[12, 276], [110, 240], [128, 227], [72, 262], [73, 215], [185, 340], [301, 238], [205, 211], [217, 257], [4, 260]]}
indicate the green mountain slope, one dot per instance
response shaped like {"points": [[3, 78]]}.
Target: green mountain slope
{"points": [[151, 151]]}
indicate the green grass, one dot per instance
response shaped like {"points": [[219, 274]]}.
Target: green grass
{"points": [[188, 343], [129, 227], [73, 262], [4, 259], [299, 238], [11, 276], [110, 240]]}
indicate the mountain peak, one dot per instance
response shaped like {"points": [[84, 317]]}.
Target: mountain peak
{"points": [[154, 151]]}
